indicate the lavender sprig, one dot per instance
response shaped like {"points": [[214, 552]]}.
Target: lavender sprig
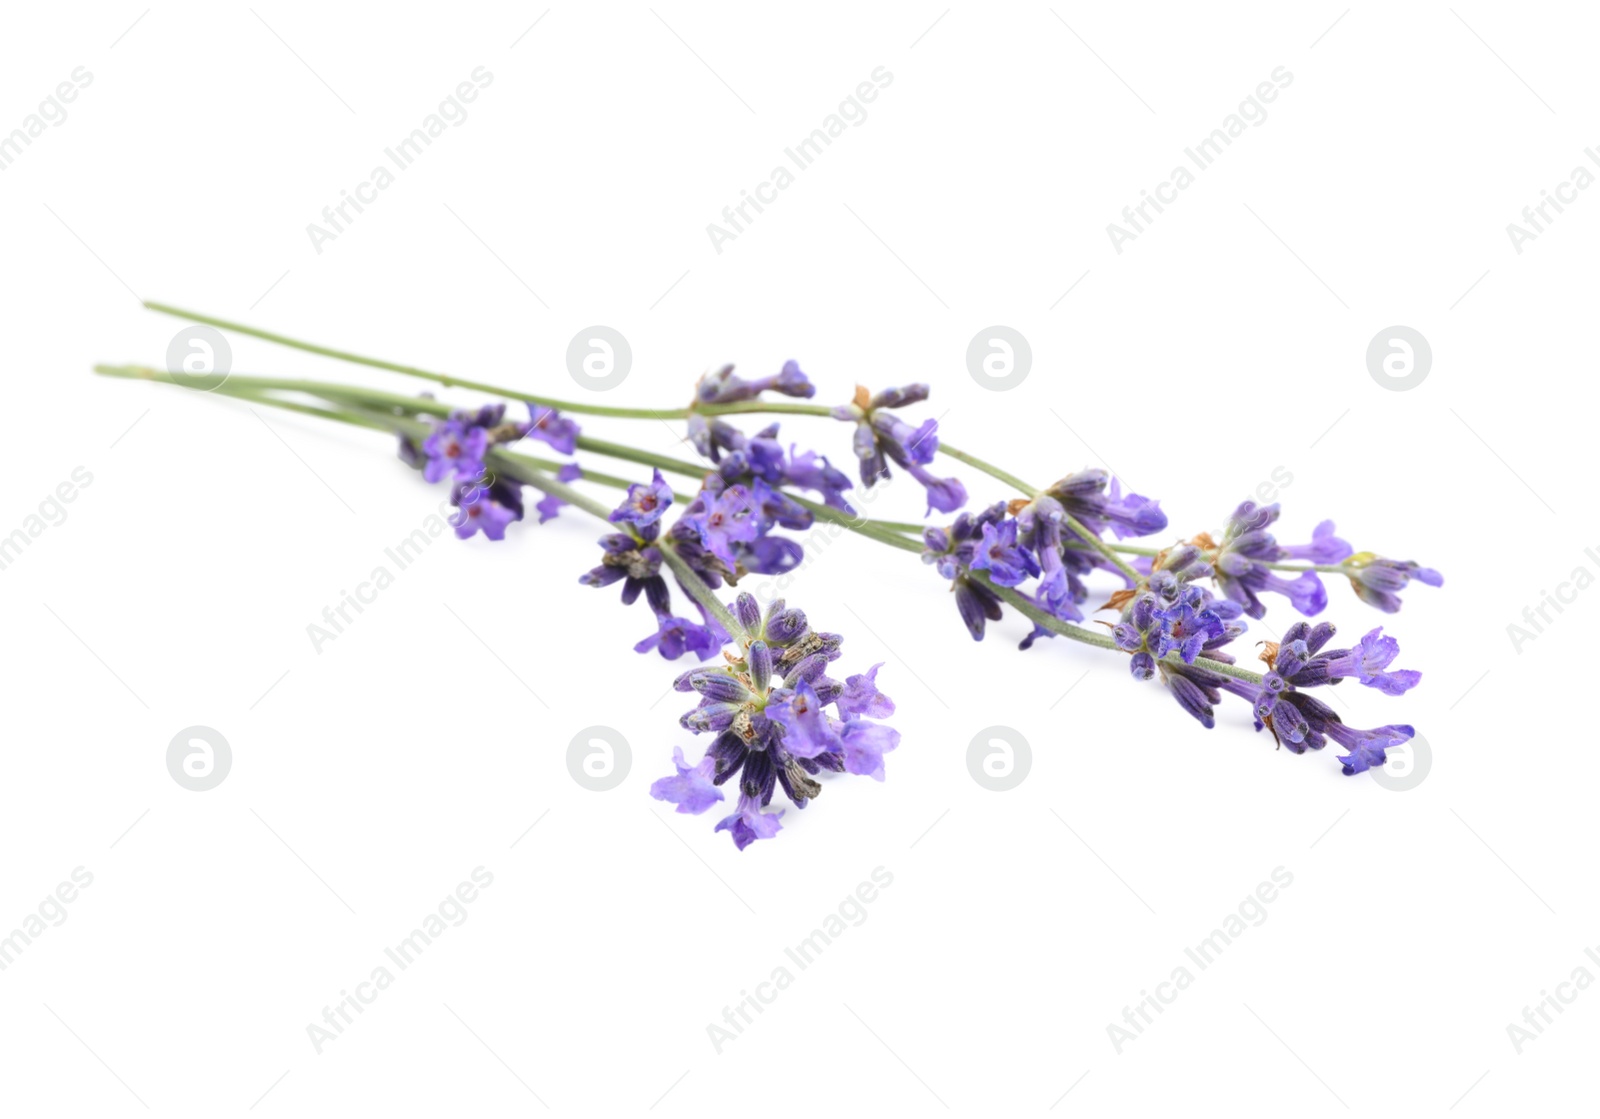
{"points": [[778, 719]]}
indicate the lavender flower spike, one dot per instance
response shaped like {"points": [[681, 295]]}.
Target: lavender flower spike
{"points": [[768, 706]]}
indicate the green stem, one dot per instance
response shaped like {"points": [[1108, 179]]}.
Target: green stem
{"points": [[884, 532], [690, 580], [757, 407], [532, 471], [754, 407], [1331, 568], [425, 374], [358, 419], [1022, 488], [242, 385]]}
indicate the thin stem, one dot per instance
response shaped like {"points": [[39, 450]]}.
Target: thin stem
{"points": [[1331, 568], [425, 374], [988, 468], [735, 408], [689, 579], [1028, 609], [757, 407], [882, 531], [358, 419], [531, 471], [241, 386]]}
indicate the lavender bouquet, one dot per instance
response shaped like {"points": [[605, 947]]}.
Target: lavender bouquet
{"points": [[764, 686]]}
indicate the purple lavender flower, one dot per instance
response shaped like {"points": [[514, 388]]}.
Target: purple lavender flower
{"points": [[635, 562], [998, 554], [1301, 721], [944, 494], [676, 636], [953, 552], [881, 437], [1040, 524], [904, 443], [806, 730], [765, 456], [692, 790], [486, 507], [454, 448], [976, 604], [711, 436], [748, 823], [811, 471], [644, 505], [1378, 582], [1369, 662], [722, 387], [790, 381], [862, 697], [550, 504], [1096, 500], [1240, 562], [768, 707], [1367, 747], [549, 426], [761, 458], [486, 416], [723, 521], [1325, 547], [1174, 617], [864, 745], [1060, 601]]}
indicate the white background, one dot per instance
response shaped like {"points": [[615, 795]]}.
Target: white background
{"points": [[1227, 341]]}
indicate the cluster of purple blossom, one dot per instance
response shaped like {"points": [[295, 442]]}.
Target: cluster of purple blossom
{"points": [[777, 719], [1168, 622], [457, 450], [767, 705], [880, 438], [768, 710], [1023, 540]]}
